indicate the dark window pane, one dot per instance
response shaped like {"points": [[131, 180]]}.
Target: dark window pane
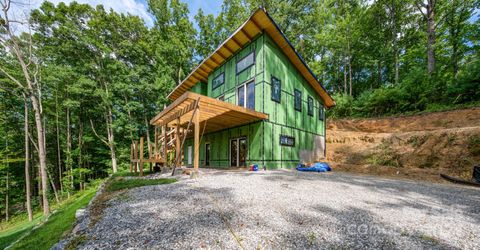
{"points": [[276, 89], [246, 62], [241, 96], [221, 98], [310, 106], [217, 81], [298, 100], [251, 95], [321, 113], [287, 141]]}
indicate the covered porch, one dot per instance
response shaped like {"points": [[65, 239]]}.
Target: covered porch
{"points": [[193, 115]]}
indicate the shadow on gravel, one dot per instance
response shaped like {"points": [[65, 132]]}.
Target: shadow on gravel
{"points": [[463, 200]]}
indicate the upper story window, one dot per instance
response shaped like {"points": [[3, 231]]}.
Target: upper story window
{"points": [[218, 81], [276, 90], [246, 95], [298, 100], [246, 62], [310, 106], [321, 113]]}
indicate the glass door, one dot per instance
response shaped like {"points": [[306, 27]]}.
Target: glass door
{"points": [[238, 152], [242, 152], [233, 152]]}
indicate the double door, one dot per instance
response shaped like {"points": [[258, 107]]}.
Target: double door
{"points": [[238, 152]]}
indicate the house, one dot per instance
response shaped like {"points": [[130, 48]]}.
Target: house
{"points": [[252, 101]]}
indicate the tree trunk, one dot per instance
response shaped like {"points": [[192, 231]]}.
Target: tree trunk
{"points": [[59, 160], [345, 78], [27, 165], [350, 74], [111, 140], [41, 152], [431, 36], [7, 196], [69, 161]]}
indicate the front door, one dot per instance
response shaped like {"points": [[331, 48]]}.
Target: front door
{"points": [[238, 152], [207, 154]]}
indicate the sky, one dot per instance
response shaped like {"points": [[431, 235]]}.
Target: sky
{"points": [[134, 7]]}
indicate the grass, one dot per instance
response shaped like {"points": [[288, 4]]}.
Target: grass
{"points": [[50, 232], [15, 231], [121, 183]]}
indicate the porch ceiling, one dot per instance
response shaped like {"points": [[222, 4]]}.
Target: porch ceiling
{"points": [[214, 114]]}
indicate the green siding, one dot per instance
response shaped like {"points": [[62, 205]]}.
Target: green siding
{"points": [[263, 137]]}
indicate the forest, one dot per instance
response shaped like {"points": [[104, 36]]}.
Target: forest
{"points": [[79, 83]]}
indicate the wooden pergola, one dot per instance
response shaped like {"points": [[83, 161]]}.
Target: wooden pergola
{"points": [[205, 114]]}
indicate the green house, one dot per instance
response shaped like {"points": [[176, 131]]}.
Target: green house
{"points": [[252, 101]]}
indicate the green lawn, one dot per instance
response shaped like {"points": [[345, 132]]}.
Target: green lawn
{"points": [[121, 183], [45, 236]]}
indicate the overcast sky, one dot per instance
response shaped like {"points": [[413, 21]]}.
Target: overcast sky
{"points": [[134, 7]]}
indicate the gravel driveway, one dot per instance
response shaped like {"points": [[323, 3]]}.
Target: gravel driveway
{"points": [[285, 209]]}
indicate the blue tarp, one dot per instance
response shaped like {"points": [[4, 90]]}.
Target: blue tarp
{"points": [[316, 167]]}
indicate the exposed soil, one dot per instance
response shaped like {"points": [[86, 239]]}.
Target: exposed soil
{"points": [[418, 147]]}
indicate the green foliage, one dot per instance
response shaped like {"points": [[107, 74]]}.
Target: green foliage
{"points": [[120, 183], [51, 231], [384, 155]]}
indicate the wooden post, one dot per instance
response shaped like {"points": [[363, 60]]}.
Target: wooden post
{"points": [[164, 146], [141, 157], [177, 144], [135, 156], [197, 142], [155, 151], [131, 157]]}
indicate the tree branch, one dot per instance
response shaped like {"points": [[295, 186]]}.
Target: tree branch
{"points": [[12, 78], [96, 134]]}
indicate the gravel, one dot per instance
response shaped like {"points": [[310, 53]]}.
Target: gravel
{"points": [[290, 210]]}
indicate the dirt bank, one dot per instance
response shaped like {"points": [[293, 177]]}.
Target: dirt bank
{"points": [[416, 147]]}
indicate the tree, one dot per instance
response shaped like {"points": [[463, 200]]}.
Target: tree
{"points": [[22, 49]]}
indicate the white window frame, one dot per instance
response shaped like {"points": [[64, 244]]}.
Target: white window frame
{"points": [[189, 155], [244, 85]]}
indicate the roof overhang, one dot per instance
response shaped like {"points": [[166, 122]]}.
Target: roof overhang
{"points": [[258, 22], [215, 114]]}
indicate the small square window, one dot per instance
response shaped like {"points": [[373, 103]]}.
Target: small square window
{"points": [[298, 100], [310, 106], [276, 90]]}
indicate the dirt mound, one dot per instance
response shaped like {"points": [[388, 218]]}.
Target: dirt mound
{"points": [[416, 147]]}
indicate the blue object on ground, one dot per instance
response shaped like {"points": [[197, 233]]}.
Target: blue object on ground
{"points": [[316, 167], [300, 165]]}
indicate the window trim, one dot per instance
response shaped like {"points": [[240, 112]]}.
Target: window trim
{"points": [[254, 61], [294, 100], [223, 81], [271, 94], [310, 106]]}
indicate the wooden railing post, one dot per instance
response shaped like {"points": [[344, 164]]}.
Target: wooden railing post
{"points": [[177, 143]]}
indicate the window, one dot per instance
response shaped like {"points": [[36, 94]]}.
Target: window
{"points": [[241, 96], [310, 106], [321, 113], [217, 81], [276, 90], [246, 95], [287, 141], [221, 98], [298, 100], [251, 95], [246, 62]]}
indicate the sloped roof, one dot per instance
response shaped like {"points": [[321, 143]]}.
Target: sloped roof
{"points": [[258, 22]]}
